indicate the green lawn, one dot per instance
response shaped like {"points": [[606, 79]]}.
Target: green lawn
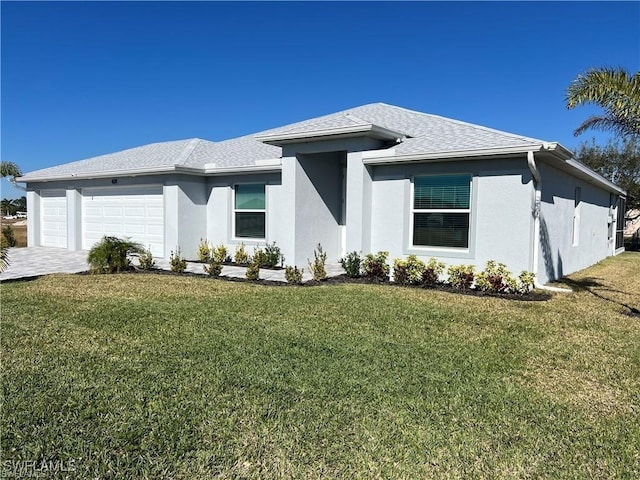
{"points": [[149, 376]]}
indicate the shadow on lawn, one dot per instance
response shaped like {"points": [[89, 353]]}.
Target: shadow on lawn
{"points": [[589, 284]]}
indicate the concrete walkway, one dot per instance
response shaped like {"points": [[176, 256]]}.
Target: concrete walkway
{"points": [[37, 261]]}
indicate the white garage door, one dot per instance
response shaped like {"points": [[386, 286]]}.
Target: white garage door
{"points": [[136, 213], [53, 218]]}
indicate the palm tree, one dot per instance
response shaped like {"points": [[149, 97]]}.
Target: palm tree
{"points": [[9, 169], [8, 207], [616, 91]]}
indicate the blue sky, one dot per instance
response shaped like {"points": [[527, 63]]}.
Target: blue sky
{"points": [[82, 79]]}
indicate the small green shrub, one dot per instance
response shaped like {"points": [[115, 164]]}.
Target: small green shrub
{"points": [[496, 278], [219, 253], [177, 262], [431, 275], [400, 272], [317, 267], [273, 255], [351, 264], [146, 259], [375, 267], [213, 268], [259, 257], [241, 257], [111, 255], [526, 282], [461, 276], [253, 271], [204, 251], [293, 274], [8, 235]]}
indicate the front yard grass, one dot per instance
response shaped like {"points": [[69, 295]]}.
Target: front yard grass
{"points": [[150, 376]]}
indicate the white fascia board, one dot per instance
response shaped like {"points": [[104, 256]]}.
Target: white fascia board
{"points": [[355, 130], [269, 162], [385, 158], [244, 169], [595, 177], [102, 174]]}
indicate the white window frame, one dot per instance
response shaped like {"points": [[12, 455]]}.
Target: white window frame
{"points": [[234, 211], [413, 211]]}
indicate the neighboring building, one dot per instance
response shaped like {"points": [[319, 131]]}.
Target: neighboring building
{"points": [[375, 177]]}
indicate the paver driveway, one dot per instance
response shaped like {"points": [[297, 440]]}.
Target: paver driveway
{"points": [[35, 261]]}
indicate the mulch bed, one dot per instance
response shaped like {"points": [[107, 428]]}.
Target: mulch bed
{"points": [[535, 296]]}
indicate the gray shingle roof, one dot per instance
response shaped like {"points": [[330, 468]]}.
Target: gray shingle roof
{"points": [[428, 134]]}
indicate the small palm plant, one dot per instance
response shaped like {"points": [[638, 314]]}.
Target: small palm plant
{"points": [[111, 255]]}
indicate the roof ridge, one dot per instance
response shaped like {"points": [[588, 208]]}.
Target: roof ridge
{"points": [[187, 151], [461, 122]]}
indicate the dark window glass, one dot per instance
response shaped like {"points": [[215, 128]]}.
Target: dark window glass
{"points": [[250, 225], [250, 197], [441, 192], [441, 229]]}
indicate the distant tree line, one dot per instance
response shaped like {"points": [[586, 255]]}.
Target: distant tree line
{"points": [[10, 206]]}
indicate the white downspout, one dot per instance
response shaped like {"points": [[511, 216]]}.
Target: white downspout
{"points": [[537, 183]]}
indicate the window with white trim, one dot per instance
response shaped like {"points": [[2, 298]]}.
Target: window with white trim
{"points": [[249, 211], [440, 211]]}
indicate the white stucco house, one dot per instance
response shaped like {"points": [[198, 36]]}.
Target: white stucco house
{"points": [[375, 177]]}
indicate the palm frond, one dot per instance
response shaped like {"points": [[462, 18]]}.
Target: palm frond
{"points": [[613, 89], [9, 169]]}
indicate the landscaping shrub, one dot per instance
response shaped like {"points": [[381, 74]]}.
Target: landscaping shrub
{"points": [[146, 259], [526, 282], [293, 274], [408, 272], [7, 234], [461, 276], [219, 253], [317, 267], [495, 278], [273, 255], [213, 268], [259, 257], [351, 264], [375, 267], [431, 274], [177, 262], [253, 271], [400, 272], [204, 251], [111, 254], [241, 256]]}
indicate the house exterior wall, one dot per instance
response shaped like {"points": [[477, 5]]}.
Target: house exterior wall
{"points": [[500, 219], [558, 255]]}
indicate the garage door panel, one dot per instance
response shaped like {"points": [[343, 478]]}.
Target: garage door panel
{"points": [[53, 218], [134, 213], [134, 230], [155, 212]]}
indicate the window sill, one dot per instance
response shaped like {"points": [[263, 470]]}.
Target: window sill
{"points": [[438, 252]]}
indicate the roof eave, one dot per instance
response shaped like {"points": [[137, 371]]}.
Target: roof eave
{"points": [[111, 173], [384, 159], [370, 130], [248, 169]]}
